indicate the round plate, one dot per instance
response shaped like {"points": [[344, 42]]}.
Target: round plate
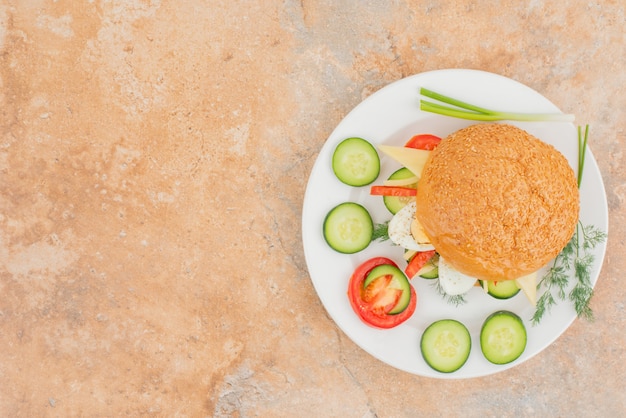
{"points": [[391, 116]]}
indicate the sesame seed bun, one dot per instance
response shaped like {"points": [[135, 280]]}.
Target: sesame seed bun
{"points": [[496, 202]]}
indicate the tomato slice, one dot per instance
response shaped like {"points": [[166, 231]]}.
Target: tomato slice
{"points": [[417, 262], [393, 191], [373, 303], [423, 141], [381, 298]]}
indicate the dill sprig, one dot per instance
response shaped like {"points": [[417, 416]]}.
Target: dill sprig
{"points": [[577, 256], [381, 232]]}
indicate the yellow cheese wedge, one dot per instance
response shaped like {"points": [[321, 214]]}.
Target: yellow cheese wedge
{"points": [[410, 181], [411, 158], [408, 254], [528, 284], [417, 230]]}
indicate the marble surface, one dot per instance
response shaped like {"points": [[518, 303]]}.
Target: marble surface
{"points": [[153, 161]]}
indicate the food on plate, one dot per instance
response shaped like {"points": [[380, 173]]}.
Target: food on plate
{"points": [[401, 232], [413, 159], [404, 178], [446, 345], [503, 337], [348, 228], [420, 263], [430, 270], [452, 281], [380, 293], [503, 289], [496, 202], [423, 141], [355, 162]]}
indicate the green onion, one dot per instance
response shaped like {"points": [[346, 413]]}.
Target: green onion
{"points": [[463, 110], [582, 148]]}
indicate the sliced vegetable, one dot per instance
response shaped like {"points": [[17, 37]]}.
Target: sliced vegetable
{"points": [[417, 262], [502, 289], [393, 191], [446, 345], [375, 302], [395, 203], [348, 228], [430, 269], [423, 141], [380, 295], [503, 337], [395, 282], [355, 162]]}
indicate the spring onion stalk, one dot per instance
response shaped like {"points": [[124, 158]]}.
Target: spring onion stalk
{"points": [[463, 110], [582, 148]]}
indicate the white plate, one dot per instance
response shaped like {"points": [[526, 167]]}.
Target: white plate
{"points": [[391, 116]]}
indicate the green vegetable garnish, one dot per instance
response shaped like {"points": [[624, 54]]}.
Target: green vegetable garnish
{"points": [[582, 150], [463, 110], [575, 256], [381, 232]]}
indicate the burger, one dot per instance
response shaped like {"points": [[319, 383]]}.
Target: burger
{"points": [[496, 202]]}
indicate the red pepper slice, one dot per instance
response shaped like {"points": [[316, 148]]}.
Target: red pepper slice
{"points": [[423, 141], [372, 303], [417, 262], [393, 191]]}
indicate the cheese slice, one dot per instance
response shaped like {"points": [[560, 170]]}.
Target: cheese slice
{"points": [[417, 230], [410, 181], [412, 158], [528, 284]]}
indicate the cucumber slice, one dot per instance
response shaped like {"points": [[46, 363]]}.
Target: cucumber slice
{"points": [[356, 162], [504, 289], [399, 281], [395, 203], [503, 337], [430, 269], [446, 345], [348, 228]]}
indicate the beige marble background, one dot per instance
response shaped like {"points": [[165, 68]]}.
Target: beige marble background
{"points": [[153, 161]]}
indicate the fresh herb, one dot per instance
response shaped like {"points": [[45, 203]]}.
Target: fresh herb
{"points": [[577, 256], [463, 110], [381, 232], [455, 300]]}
